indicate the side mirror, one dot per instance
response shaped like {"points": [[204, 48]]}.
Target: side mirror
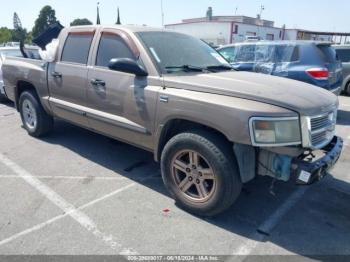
{"points": [[127, 65]]}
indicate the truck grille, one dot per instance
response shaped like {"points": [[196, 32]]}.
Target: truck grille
{"points": [[320, 122], [322, 129]]}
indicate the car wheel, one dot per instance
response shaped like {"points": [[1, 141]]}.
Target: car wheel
{"points": [[3, 98], [34, 118], [348, 89], [200, 172]]}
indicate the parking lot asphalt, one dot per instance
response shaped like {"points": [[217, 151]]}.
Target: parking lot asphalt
{"points": [[79, 193]]}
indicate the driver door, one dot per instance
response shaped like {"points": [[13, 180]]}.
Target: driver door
{"points": [[122, 104]]}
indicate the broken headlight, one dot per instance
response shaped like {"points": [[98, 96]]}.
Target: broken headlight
{"points": [[269, 131]]}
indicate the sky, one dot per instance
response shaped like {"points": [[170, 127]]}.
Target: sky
{"points": [[321, 15]]}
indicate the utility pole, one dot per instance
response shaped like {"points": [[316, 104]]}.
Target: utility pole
{"points": [[260, 22], [262, 9]]}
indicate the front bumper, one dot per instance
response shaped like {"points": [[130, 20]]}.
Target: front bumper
{"points": [[308, 172]]}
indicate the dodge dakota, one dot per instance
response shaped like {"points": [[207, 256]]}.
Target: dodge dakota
{"points": [[211, 128]]}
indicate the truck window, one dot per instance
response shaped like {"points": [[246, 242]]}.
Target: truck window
{"points": [[112, 46], [76, 48]]}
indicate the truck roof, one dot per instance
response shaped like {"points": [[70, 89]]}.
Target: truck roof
{"points": [[280, 42], [132, 28]]}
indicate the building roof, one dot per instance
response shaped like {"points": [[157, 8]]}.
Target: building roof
{"points": [[320, 32], [236, 18]]}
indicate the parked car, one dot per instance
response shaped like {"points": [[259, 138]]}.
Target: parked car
{"points": [[312, 62], [343, 52], [13, 51], [212, 128]]}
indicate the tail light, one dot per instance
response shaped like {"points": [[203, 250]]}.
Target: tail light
{"points": [[318, 73]]}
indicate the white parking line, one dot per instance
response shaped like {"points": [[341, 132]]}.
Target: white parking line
{"points": [[270, 223], [69, 177], [68, 208]]}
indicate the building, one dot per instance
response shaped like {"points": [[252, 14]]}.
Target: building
{"points": [[222, 30], [300, 34]]}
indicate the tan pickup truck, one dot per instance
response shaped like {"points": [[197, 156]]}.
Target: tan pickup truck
{"points": [[211, 128]]}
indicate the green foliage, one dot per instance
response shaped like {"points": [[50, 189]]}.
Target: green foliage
{"points": [[83, 21], [5, 35], [29, 38], [47, 17], [19, 35]]}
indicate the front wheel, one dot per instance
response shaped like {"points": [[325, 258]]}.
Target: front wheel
{"points": [[200, 171], [347, 89], [3, 98], [34, 118]]}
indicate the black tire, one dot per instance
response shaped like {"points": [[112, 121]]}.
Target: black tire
{"points": [[44, 122], [3, 98], [219, 155], [347, 89]]}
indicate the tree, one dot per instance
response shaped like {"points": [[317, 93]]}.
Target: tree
{"points": [[29, 38], [47, 17], [5, 35], [83, 21], [98, 20], [118, 19], [18, 33], [17, 24]]}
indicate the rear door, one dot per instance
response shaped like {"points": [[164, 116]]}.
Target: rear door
{"points": [[333, 64], [67, 78]]}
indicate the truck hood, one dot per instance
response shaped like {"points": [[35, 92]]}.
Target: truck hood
{"points": [[294, 95]]}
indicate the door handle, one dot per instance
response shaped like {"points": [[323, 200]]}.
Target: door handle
{"points": [[56, 74], [97, 82]]}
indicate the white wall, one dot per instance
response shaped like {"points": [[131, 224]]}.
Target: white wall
{"points": [[219, 33], [211, 32], [244, 30], [291, 34]]}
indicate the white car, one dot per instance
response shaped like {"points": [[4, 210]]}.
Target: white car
{"points": [[13, 51]]}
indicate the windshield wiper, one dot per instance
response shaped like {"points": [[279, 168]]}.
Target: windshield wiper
{"points": [[187, 68], [219, 67]]}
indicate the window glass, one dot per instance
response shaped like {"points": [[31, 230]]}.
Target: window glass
{"points": [[264, 53], [112, 46], [286, 53], [328, 53], [171, 49], [228, 53], [76, 48], [344, 55], [245, 53]]}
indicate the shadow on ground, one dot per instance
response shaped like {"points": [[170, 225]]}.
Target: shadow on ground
{"points": [[343, 118], [317, 225]]}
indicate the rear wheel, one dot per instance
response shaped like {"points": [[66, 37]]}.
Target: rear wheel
{"points": [[34, 118], [199, 170]]}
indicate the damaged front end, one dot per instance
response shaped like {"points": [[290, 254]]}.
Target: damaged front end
{"points": [[285, 163]]}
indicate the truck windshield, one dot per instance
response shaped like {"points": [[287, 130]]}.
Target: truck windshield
{"points": [[175, 52]]}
